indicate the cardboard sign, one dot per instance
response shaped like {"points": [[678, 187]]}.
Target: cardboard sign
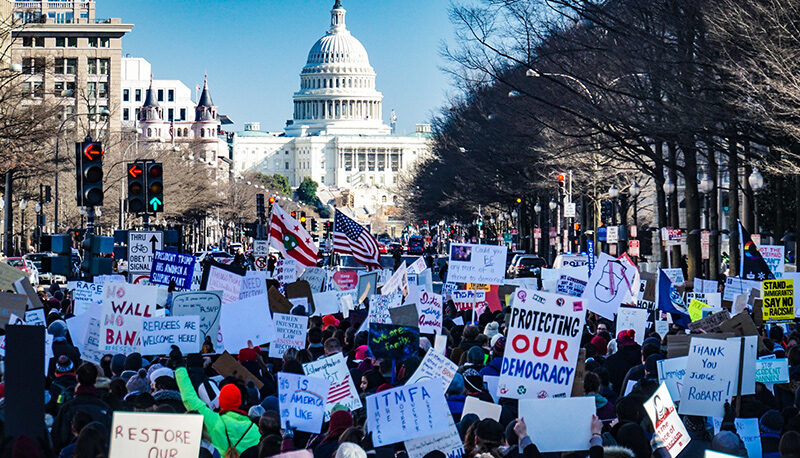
{"points": [[774, 257], [290, 332], [558, 424], [430, 314], [11, 304], [299, 289], [227, 366], [671, 372], [278, 302], [778, 300], [390, 341], [710, 377], [407, 412], [470, 263], [633, 318], [24, 384], [160, 333], [301, 400], [170, 267], [254, 284], [435, 366], [613, 282], [705, 286], [668, 425], [748, 432], [405, 315], [448, 442], [710, 323], [315, 276], [207, 306], [772, 370], [86, 295], [543, 342], [247, 319], [342, 389], [482, 409], [229, 283], [9, 275], [137, 434]]}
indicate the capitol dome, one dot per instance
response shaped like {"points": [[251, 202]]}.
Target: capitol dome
{"points": [[337, 87]]}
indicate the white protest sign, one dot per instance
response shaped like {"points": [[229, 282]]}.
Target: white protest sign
{"points": [[667, 423], [330, 302], [397, 282], [334, 369], [712, 299], [429, 309], [286, 271], [748, 363], [662, 328], [748, 432], [206, 305], [613, 282], [87, 328], [301, 400], [482, 409], [124, 306], [228, 282], [735, 286], [675, 275], [633, 318], [470, 263], [671, 372], [247, 319], [290, 332], [774, 257], [35, 317], [448, 442], [138, 434], [543, 343], [86, 295], [379, 306], [406, 412], [710, 377], [705, 286], [440, 345], [160, 333], [417, 266], [612, 234], [558, 424], [315, 276], [772, 370], [570, 286], [467, 299], [435, 366], [254, 284]]}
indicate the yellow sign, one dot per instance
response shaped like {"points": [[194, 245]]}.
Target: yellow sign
{"points": [[696, 309], [778, 303], [478, 286]]}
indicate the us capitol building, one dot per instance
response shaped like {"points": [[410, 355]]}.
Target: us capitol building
{"points": [[337, 135]]}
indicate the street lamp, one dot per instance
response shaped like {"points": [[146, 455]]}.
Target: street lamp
{"points": [[634, 192], [669, 186], [613, 193], [756, 181], [552, 205], [706, 186], [23, 204]]}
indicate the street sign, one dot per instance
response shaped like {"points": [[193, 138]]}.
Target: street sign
{"points": [[141, 248], [671, 235], [260, 262], [569, 210], [537, 233], [612, 234], [633, 247], [260, 247], [634, 231], [705, 245]]}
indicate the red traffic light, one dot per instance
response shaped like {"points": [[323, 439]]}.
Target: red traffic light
{"points": [[154, 171], [293, 214], [134, 171], [561, 177], [93, 151]]}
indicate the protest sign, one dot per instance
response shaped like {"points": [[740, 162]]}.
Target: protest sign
{"points": [[406, 315], [435, 366], [695, 309], [613, 282], [735, 286], [390, 341], [543, 342], [417, 266], [254, 284], [406, 412], [286, 271], [160, 333], [300, 289], [471, 263], [227, 366], [570, 286], [379, 306], [345, 279], [315, 276], [397, 282], [448, 442], [558, 424], [170, 267], [342, 390], [748, 432], [468, 299], [440, 344], [124, 307], [367, 285], [710, 376], [327, 303], [772, 370], [774, 257], [11, 304], [278, 302], [247, 319], [301, 400], [675, 275], [204, 304], [86, 295], [712, 299], [671, 372], [429, 309], [482, 409], [35, 317], [290, 332], [705, 286], [668, 425], [9, 275], [778, 300], [710, 323], [138, 434], [223, 280], [633, 318]]}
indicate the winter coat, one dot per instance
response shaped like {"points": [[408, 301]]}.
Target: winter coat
{"points": [[225, 429], [620, 362], [85, 400], [493, 368]]}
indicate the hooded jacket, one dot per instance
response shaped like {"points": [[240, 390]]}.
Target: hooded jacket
{"points": [[224, 428]]}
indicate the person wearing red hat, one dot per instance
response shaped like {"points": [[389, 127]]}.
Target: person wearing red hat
{"points": [[228, 428], [325, 445]]}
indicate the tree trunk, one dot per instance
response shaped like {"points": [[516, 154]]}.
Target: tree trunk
{"points": [[691, 196], [674, 215], [713, 215], [747, 203], [661, 200], [733, 204]]}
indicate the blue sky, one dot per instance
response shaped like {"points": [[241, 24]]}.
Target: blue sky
{"points": [[253, 50]]}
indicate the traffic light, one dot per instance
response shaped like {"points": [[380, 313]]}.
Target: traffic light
{"points": [[89, 173], [303, 219], [313, 224], [293, 215], [261, 211], [328, 229], [136, 194], [155, 187], [94, 246]]}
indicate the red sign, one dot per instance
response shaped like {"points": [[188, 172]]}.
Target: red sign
{"points": [[553, 233], [260, 262], [634, 231], [633, 247], [346, 279], [537, 233]]}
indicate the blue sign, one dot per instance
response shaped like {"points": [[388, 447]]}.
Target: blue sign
{"points": [[168, 266], [590, 253]]}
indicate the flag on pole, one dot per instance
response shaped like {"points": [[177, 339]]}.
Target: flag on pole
{"points": [[669, 300], [751, 265], [172, 130], [289, 237], [352, 238]]}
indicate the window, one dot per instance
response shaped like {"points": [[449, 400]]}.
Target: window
{"points": [[68, 42], [66, 66], [103, 66], [72, 42], [126, 95], [105, 42], [34, 89], [92, 66], [170, 114], [31, 65], [286, 165], [125, 114], [97, 42], [202, 132], [91, 89], [92, 42], [62, 86], [183, 114], [138, 95], [60, 42], [102, 90], [68, 110], [160, 95], [171, 95]]}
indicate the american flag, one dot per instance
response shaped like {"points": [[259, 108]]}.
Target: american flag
{"points": [[351, 238], [339, 391]]}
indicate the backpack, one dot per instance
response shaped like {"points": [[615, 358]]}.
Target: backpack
{"points": [[232, 452], [65, 393]]}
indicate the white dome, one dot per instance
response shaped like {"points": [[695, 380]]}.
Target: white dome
{"points": [[339, 47]]}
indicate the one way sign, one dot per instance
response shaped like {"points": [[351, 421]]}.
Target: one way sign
{"points": [[141, 248]]}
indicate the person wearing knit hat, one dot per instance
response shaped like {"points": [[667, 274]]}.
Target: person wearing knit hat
{"points": [[160, 372], [117, 364], [362, 353], [133, 362], [350, 450], [600, 345], [626, 338], [228, 428], [491, 329], [329, 320], [138, 383], [770, 425], [728, 442], [325, 445]]}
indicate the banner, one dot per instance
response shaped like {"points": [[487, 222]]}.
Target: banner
{"points": [[301, 400], [138, 434], [613, 282], [434, 366], [471, 263], [559, 424], [160, 333], [228, 282], [430, 314], [710, 376], [543, 343], [466, 299], [668, 425], [406, 412], [86, 295], [342, 390], [778, 300], [290, 332], [168, 267], [206, 305], [388, 341], [248, 319]]}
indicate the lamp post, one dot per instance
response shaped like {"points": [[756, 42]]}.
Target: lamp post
{"points": [[706, 186], [552, 206], [669, 188], [756, 181], [38, 225], [613, 194], [634, 192], [24, 240]]}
